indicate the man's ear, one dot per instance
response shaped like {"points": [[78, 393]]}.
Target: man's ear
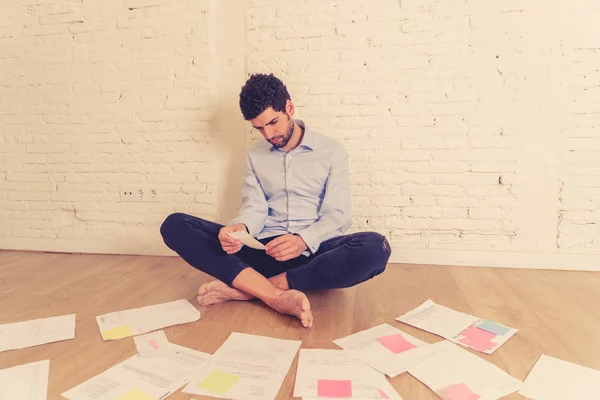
{"points": [[289, 107]]}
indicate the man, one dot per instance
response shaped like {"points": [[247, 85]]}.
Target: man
{"points": [[295, 201]]}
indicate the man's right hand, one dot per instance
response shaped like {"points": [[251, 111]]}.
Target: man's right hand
{"points": [[229, 244]]}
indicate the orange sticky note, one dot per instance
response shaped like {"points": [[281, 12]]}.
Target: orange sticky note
{"points": [[334, 388], [477, 345], [383, 395], [396, 343], [461, 392], [153, 344], [478, 334]]}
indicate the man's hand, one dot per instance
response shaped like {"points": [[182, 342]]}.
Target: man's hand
{"points": [[229, 244], [285, 247]]}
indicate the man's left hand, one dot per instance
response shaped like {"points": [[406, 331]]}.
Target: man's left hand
{"points": [[286, 247]]}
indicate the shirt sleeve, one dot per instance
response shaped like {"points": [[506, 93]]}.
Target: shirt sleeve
{"points": [[335, 211], [254, 207]]}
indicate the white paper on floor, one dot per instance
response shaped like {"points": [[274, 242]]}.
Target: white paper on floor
{"points": [[136, 321], [384, 348], [555, 379], [25, 382], [339, 374], [19, 335], [466, 330], [246, 367], [142, 378], [447, 368]]}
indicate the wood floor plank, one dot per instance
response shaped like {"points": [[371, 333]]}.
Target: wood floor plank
{"points": [[556, 312], [568, 318]]}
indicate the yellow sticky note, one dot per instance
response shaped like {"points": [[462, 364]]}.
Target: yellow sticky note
{"points": [[219, 381], [135, 394], [117, 333]]}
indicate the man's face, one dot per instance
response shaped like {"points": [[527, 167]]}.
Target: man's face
{"points": [[275, 126]]}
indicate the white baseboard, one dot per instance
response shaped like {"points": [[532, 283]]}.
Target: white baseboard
{"points": [[494, 259]]}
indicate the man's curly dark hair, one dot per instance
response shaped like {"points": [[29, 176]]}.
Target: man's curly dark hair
{"points": [[260, 92]]}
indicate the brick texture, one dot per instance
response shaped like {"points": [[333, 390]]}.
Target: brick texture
{"points": [[434, 100]]}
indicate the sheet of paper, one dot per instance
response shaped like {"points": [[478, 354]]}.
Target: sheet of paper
{"points": [[25, 382], [340, 374], [246, 239], [141, 378], [555, 379], [136, 321], [370, 349], [446, 365], [19, 335], [246, 367], [153, 343], [460, 328]]}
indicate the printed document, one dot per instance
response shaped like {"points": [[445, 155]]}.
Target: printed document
{"points": [[447, 368], [136, 321], [246, 367], [24, 334], [25, 382], [383, 347], [339, 374], [142, 377], [463, 329]]}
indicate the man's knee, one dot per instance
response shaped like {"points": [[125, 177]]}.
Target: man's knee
{"points": [[171, 224], [378, 251]]}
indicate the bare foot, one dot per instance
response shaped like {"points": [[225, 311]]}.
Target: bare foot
{"points": [[293, 302], [215, 292]]}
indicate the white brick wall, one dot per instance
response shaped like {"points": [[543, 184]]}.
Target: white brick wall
{"points": [[95, 95], [468, 127]]}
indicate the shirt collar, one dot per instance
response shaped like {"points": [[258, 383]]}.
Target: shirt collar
{"points": [[308, 139]]}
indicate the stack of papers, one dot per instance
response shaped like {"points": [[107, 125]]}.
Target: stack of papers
{"points": [[246, 367], [142, 378], [468, 331], [20, 335], [25, 382], [383, 347], [555, 379], [132, 322], [454, 373], [339, 374]]}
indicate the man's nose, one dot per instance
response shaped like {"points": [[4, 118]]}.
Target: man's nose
{"points": [[269, 132]]}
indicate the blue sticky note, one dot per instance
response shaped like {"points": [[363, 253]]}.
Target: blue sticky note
{"points": [[493, 327]]}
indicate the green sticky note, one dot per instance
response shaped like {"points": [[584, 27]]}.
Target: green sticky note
{"points": [[493, 327], [219, 381]]}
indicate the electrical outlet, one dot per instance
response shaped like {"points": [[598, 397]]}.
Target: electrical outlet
{"points": [[139, 193]]}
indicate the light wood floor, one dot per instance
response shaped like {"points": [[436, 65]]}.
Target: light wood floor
{"points": [[557, 313]]}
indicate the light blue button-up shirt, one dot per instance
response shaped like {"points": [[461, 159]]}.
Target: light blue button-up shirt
{"points": [[305, 191]]}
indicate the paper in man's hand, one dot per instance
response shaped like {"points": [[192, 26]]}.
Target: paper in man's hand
{"points": [[246, 239]]}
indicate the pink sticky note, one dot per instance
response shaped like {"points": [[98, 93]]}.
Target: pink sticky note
{"points": [[477, 345], [396, 343], [461, 392], [332, 388], [383, 395], [153, 344], [478, 334]]}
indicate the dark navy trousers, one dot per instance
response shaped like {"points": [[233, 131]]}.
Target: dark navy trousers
{"points": [[340, 262]]}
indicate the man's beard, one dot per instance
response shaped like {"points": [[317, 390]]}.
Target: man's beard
{"points": [[285, 138]]}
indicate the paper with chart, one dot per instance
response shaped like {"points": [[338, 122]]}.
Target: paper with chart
{"points": [[340, 374], [555, 379], [469, 331], [454, 373], [383, 347], [153, 343], [136, 321], [19, 335], [246, 239], [246, 367], [142, 378], [25, 382]]}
